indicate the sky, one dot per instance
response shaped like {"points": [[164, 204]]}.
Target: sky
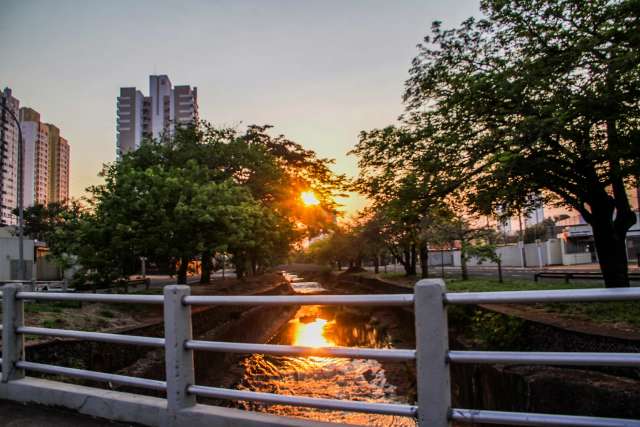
{"points": [[318, 71]]}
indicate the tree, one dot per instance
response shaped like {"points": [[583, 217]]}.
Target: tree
{"points": [[487, 252], [540, 98]]}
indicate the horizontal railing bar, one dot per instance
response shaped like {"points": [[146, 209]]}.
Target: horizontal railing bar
{"points": [[546, 358], [114, 298], [382, 299], [311, 402], [563, 295], [290, 350], [92, 336], [529, 419], [92, 375]]}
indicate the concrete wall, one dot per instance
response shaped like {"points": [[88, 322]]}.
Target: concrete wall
{"points": [[9, 256], [550, 252], [436, 258], [510, 256], [554, 251], [576, 258], [535, 254]]}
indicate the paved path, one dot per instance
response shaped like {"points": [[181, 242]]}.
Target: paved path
{"points": [[18, 415]]}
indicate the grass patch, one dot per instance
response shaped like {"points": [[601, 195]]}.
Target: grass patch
{"points": [[107, 313], [52, 323], [627, 312], [491, 285], [51, 306]]}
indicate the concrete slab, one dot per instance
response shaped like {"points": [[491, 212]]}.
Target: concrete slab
{"points": [[20, 415]]}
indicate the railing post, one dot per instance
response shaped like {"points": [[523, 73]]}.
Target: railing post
{"points": [[432, 346], [178, 359], [12, 343]]}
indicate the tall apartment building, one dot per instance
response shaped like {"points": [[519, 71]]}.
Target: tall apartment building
{"points": [[154, 116], [8, 158], [59, 155], [45, 160], [35, 136]]}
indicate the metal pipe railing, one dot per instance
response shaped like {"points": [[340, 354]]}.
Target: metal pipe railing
{"points": [[310, 402], [105, 298], [431, 354], [352, 300], [546, 358], [473, 416], [92, 336], [290, 350], [520, 297], [93, 375]]}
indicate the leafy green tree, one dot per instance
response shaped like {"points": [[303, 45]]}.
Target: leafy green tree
{"points": [[539, 98]]}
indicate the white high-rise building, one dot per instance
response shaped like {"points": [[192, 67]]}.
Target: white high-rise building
{"points": [[154, 116], [8, 158], [35, 136]]}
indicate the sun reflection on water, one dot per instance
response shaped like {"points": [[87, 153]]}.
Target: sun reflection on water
{"points": [[327, 377], [311, 334]]}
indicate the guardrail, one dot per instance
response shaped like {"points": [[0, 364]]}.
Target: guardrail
{"points": [[431, 356]]}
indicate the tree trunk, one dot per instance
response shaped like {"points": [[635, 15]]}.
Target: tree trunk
{"points": [[610, 232], [182, 271], [612, 253], [207, 266], [406, 262], [463, 260], [376, 264], [240, 266], [414, 259], [424, 260], [254, 266], [500, 271]]}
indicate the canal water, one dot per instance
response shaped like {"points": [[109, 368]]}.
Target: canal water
{"points": [[335, 378]]}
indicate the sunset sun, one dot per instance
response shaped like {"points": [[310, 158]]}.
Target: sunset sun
{"points": [[309, 198]]}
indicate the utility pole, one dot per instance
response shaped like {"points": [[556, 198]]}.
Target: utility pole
{"points": [[21, 269]]}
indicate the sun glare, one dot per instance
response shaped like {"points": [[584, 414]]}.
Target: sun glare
{"points": [[311, 334], [309, 198]]}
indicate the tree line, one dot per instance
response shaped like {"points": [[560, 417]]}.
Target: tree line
{"points": [[198, 195], [537, 102]]}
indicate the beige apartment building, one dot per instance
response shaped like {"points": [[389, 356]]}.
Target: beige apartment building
{"points": [[59, 155], [154, 116]]}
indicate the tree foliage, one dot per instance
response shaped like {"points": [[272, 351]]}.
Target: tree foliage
{"points": [[203, 192], [538, 101]]}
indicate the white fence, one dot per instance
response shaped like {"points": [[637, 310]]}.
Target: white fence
{"points": [[179, 408]]}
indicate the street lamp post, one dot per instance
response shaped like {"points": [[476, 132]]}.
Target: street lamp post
{"points": [[21, 272]]}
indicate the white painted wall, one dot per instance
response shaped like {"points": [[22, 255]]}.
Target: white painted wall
{"points": [[9, 251]]}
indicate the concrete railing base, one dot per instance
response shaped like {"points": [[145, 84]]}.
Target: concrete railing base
{"points": [[134, 408]]}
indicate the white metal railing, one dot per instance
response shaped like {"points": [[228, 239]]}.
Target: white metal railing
{"points": [[431, 355]]}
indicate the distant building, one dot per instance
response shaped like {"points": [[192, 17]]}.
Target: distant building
{"points": [[59, 156], [8, 158], [154, 116], [45, 159], [35, 135]]}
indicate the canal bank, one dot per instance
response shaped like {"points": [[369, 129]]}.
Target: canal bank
{"points": [[596, 391]]}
